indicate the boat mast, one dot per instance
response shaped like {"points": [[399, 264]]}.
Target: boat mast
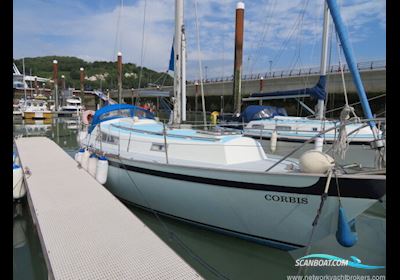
{"points": [[324, 58], [348, 53], [183, 74], [178, 62]]}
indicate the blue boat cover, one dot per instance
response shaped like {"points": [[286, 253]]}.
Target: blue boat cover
{"points": [[115, 111], [318, 91], [258, 112]]}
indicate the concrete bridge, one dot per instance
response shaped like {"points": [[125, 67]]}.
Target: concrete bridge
{"points": [[373, 75]]}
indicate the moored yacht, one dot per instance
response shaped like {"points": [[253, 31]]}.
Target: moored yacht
{"points": [[35, 109], [73, 104], [219, 180]]}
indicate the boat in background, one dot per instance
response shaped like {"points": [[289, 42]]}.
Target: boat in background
{"points": [[17, 110], [36, 109], [74, 103]]}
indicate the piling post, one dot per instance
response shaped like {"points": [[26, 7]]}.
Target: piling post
{"points": [[239, 30], [63, 81], [82, 78], [261, 88], [55, 78], [63, 89], [196, 95], [119, 71], [36, 86]]}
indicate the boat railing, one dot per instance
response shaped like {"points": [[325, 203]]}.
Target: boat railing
{"points": [[361, 66], [168, 134], [381, 124]]}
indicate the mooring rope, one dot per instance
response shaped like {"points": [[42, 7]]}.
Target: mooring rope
{"points": [[316, 219], [341, 145], [171, 235]]}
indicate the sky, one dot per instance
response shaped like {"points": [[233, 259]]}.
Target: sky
{"points": [[278, 34]]}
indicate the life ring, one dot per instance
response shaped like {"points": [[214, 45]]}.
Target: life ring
{"points": [[87, 116]]}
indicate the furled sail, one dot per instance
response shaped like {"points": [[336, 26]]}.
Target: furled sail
{"points": [[318, 92]]}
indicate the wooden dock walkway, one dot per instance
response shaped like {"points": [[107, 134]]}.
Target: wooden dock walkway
{"points": [[85, 232]]}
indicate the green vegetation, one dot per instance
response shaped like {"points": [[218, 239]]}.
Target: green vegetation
{"points": [[69, 67]]}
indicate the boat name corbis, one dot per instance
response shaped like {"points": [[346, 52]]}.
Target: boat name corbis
{"points": [[287, 199]]}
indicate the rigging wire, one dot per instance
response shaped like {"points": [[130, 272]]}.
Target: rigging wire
{"points": [[170, 233], [297, 54], [287, 40], [117, 42], [203, 102], [265, 31], [142, 49]]}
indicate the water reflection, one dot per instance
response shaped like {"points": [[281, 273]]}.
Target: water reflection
{"points": [[28, 261], [217, 256]]}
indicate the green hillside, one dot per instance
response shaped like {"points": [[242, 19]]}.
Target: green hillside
{"points": [[69, 67]]}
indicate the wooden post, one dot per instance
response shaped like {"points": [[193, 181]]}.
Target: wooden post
{"points": [[55, 78], [237, 81], [82, 78], [261, 88], [119, 71], [36, 86]]}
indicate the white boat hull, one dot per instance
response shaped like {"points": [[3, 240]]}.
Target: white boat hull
{"points": [[259, 215]]}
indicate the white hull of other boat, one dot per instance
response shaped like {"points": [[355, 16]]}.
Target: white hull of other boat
{"points": [[71, 108], [361, 153], [299, 129]]}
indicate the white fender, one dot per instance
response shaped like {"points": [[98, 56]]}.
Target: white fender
{"points": [[273, 141], [102, 170], [318, 143], [78, 155], [92, 165], [85, 160], [18, 186], [315, 162]]}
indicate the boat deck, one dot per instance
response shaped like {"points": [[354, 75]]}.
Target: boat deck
{"points": [[85, 232]]}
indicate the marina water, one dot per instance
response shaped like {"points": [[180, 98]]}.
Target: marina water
{"points": [[213, 255]]}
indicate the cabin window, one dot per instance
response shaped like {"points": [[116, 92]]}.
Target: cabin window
{"points": [[142, 114], [107, 138], [314, 129], [157, 147], [283, 127], [121, 113], [257, 126]]}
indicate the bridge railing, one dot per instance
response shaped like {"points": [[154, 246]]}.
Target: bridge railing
{"points": [[367, 65]]}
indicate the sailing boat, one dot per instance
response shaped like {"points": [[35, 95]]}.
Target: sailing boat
{"points": [[221, 181]]}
